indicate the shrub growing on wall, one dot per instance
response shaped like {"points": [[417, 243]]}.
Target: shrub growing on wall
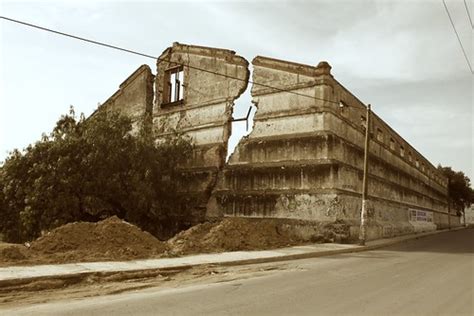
{"points": [[88, 169]]}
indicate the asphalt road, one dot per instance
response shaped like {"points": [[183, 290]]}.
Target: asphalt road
{"points": [[430, 276]]}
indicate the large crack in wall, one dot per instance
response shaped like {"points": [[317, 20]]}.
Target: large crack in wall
{"points": [[257, 172], [243, 114]]}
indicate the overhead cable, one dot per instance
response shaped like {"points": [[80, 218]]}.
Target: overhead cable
{"points": [[457, 35], [162, 59]]}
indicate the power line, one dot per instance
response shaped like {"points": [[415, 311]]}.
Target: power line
{"points": [[457, 35], [160, 59], [77, 37], [181, 64], [468, 14]]}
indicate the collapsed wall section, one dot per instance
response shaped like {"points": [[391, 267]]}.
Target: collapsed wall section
{"points": [[195, 91], [134, 98]]}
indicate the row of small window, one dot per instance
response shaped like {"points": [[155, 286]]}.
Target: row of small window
{"points": [[380, 137]]}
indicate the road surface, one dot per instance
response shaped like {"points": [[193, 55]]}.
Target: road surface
{"points": [[430, 276]]}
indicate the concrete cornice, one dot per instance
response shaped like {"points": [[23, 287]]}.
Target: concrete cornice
{"points": [[292, 87]]}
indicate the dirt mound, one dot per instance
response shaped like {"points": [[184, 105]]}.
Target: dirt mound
{"points": [[115, 240], [13, 252], [110, 239], [233, 234]]}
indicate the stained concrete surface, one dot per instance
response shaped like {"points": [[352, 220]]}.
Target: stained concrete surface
{"points": [[302, 160], [429, 276]]}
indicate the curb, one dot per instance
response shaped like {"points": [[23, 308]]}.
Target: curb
{"points": [[68, 279]]}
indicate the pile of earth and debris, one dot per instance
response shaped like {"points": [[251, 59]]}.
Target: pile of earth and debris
{"points": [[233, 234], [116, 240], [109, 240]]}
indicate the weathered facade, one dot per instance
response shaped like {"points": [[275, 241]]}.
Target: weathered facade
{"points": [[304, 157]]}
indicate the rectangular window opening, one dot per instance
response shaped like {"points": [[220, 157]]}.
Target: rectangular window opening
{"points": [[174, 85], [379, 135], [363, 122]]}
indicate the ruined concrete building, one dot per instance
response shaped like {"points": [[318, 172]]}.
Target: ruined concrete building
{"points": [[304, 157]]}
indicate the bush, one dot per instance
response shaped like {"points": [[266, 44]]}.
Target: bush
{"points": [[88, 169]]}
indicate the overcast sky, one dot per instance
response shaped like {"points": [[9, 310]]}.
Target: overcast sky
{"points": [[401, 56]]}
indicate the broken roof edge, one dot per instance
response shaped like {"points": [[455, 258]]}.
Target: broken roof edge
{"points": [[229, 55], [124, 84], [197, 48], [323, 68], [135, 74]]}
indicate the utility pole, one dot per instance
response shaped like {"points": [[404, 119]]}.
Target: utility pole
{"points": [[449, 203], [363, 213], [449, 216]]}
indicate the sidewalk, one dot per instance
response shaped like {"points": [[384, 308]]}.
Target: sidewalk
{"points": [[25, 274]]}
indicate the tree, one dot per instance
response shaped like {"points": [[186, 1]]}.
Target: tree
{"points": [[87, 169], [461, 195]]}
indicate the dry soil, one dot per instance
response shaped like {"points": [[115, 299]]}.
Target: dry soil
{"points": [[116, 240]]}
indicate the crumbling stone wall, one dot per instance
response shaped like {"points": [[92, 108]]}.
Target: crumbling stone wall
{"points": [[204, 114], [304, 157]]}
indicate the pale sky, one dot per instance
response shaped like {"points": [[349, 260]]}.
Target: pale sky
{"points": [[401, 56]]}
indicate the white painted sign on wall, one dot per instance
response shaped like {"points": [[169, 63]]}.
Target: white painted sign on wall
{"points": [[421, 216]]}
